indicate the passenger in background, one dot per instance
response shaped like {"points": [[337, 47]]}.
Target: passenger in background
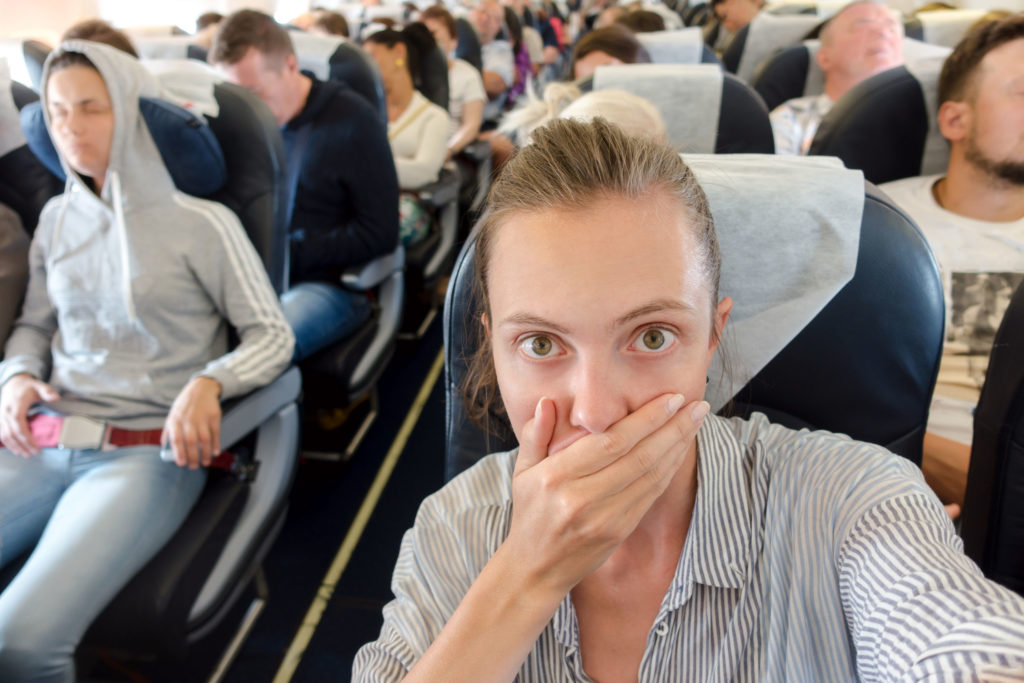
{"points": [[642, 21], [466, 95], [206, 28], [862, 39], [328, 23], [731, 16], [521, 57], [345, 208], [99, 31], [610, 45], [132, 290], [973, 218], [632, 535], [498, 60], [417, 128]]}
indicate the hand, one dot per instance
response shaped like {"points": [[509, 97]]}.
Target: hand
{"points": [[193, 425], [571, 509], [18, 394]]}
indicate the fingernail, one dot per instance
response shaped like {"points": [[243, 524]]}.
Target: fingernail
{"points": [[674, 404], [536, 411], [699, 411]]}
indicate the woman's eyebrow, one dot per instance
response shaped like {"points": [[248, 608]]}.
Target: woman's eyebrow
{"points": [[529, 320], [655, 306]]}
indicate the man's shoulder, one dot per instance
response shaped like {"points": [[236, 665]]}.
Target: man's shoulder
{"points": [[332, 103]]}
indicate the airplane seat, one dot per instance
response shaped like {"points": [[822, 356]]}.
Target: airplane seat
{"points": [[433, 78], [168, 47], [705, 109], [25, 59], [791, 73], [190, 586], [696, 14], [25, 183], [992, 524], [887, 125], [944, 27], [468, 43], [337, 59], [861, 358], [678, 46], [759, 40]]}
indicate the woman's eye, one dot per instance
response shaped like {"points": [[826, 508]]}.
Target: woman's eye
{"points": [[538, 346], [654, 339]]}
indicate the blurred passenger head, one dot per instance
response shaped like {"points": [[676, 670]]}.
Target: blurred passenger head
{"points": [[862, 39], [328, 23], [99, 31], [487, 17], [610, 45], [206, 28], [981, 91], [642, 21], [634, 114], [735, 14], [442, 25], [609, 16], [255, 52], [81, 114]]}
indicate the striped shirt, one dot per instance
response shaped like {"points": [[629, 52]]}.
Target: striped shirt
{"points": [[810, 557]]}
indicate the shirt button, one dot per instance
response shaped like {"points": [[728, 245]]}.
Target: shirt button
{"points": [[661, 629]]}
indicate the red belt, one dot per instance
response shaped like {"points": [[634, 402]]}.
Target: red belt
{"points": [[81, 433]]}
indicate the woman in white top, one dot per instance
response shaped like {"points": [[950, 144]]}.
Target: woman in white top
{"points": [[466, 95], [417, 128]]}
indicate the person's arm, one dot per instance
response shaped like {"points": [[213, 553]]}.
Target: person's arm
{"points": [[472, 119], [13, 268], [570, 510], [360, 161], [499, 70], [431, 150], [233, 276], [917, 607]]}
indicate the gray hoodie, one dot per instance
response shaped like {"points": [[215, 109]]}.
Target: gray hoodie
{"points": [[131, 293]]}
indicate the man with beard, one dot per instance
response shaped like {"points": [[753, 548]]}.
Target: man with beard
{"points": [[863, 38], [973, 218]]}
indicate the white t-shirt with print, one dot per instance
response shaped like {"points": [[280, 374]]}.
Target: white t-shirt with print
{"points": [[982, 263]]}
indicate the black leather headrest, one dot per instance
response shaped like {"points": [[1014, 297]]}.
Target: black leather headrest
{"points": [[352, 66], [784, 76], [743, 123], [865, 366], [468, 47], [879, 126], [734, 51], [434, 77], [25, 184]]}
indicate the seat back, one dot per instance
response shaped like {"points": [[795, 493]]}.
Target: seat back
{"points": [[25, 184], [433, 77], [705, 109], [887, 125], [168, 47], [682, 46], [792, 73], [468, 47], [762, 38], [992, 525], [25, 59], [864, 365], [333, 58], [944, 27]]}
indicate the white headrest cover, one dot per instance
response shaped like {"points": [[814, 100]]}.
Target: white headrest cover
{"points": [[685, 46], [688, 96], [163, 47], [947, 27], [11, 137], [314, 52], [767, 35], [789, 231]]}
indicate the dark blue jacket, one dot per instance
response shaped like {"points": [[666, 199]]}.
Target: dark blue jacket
{"points": [[346, 205]]}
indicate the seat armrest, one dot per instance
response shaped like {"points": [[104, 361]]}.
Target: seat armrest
{"points": [[245, 414], [369, 275], [442, 191], [478, 150]]}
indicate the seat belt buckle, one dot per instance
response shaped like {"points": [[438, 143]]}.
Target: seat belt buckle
{"points": [[82, 433]]}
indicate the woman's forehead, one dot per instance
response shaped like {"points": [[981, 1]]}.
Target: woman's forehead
{"points": [[616, 251]]}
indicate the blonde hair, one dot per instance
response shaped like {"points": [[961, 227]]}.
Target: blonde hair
{"points": [[535, 111], [634, 114], [568, 166]]}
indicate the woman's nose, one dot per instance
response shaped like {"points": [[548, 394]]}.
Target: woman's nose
{"points": [[599, 400]]}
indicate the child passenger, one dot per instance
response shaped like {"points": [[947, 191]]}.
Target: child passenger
{"points": [[121, 346], [633, 535]]}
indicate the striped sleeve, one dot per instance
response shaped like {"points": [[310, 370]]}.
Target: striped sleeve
{"points": [[234, 277], [917, 607]]}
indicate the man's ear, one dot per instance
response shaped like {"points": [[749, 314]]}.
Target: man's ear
{"points": [[954, 120], [824, 58], [291, 63]]}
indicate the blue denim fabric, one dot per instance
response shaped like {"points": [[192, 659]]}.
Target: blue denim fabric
{"points": [[321, 314], [95, 517]]}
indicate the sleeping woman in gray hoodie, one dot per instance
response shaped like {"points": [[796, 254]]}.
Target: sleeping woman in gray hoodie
{"points": [[132, 289]]}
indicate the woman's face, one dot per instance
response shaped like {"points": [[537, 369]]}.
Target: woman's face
{"points": [[439, 30], [600, 310], [387, 59], [587, 65], [81, 119]]}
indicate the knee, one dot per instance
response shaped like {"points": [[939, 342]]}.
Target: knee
{"points": [[25, 656]]}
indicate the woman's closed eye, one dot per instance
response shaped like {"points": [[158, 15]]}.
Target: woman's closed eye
{"points": [[539, 346], [654, 340]]}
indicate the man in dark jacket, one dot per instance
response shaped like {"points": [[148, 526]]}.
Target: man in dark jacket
{"points": [[345, 209]]}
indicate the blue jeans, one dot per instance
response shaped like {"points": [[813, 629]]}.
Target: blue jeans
{"points": [[95, 517], [321, 314]]}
